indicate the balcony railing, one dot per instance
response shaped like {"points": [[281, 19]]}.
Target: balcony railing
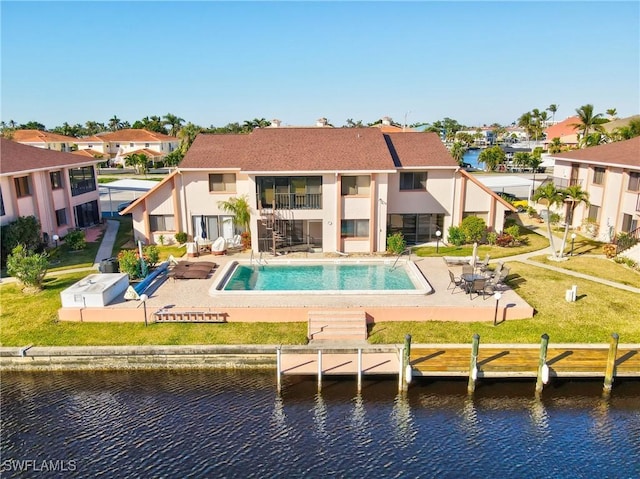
{"points": [[565, 182], [296, 201], [82, 186]]}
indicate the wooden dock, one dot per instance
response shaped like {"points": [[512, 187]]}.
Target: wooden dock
{"points": [[542, 362]]}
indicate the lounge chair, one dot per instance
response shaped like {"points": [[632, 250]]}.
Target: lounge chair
{"points": [[219, 246], [456, 282], [235, 242]]}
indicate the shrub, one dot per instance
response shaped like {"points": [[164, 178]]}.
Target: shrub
{"points": [[396, 243], [473, 228], [28, 267], [504, 240], [609, 250], [514, 231], [151, 255], [455, 236], [626, 261], [25, 230], [129, 263], [181, 237], [532, 212], [161, 239], [246, 240], [492, 237], [75, 240]]}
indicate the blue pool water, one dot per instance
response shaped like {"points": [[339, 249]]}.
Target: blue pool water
{"points": [[319, 277]]}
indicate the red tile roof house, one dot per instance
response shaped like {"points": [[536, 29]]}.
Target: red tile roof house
{"points": [[43, 139], [119, 144], [340, 189], [58, 188], [611, 175], [565, 130]]}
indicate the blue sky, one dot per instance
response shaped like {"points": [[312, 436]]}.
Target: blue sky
{"points": [[216, 62]]}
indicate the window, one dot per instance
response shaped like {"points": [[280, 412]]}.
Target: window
{"points": [[594, 212], [146, 145], [413, 181], [131, 145], [222, 183], [82, 180], [61, 217], [22, 186], [634, 181], [56, 180], [598, 175], [355, 228], [161, 222], [2, 212], [356, 185]]}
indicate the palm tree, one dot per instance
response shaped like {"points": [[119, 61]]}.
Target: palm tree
{"points": [[491, 157], [573, 195], [239, 207], [187, 134], [555, 146], [458, 150], [174, 122], [139, 161], [551, 196], [612, 112], [115, 123], [553, 108], [588, 122], [627, 132]]}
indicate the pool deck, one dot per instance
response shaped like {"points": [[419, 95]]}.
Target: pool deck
{"points": [[193, 295]]}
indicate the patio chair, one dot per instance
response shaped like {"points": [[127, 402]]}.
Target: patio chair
{"points": [[467, 269], [477, 287], [483, 266], [235, 242], [496, 272], [503, 274], [456, 282]]}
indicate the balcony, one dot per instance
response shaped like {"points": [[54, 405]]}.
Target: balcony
{"points": [[295, 201]]}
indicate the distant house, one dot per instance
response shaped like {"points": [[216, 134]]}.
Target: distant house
{"points": [[44, 139], [331, 189], [59, 189], [611, 175], [119, 144], [565, 130]]}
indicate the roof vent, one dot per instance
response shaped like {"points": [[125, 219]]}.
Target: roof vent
{"points": [[386, 121], [320, 122], [275, 123]]}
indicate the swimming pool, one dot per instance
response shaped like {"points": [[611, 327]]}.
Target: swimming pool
{"points": [[338, 277]]}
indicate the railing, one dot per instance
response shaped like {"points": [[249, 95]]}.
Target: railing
{"points": [[398, 257], [624, 241], [565, 182], [298, 201]]}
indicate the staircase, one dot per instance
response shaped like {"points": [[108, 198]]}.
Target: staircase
{"points": [[632, 253], [276, 223], [337, 325]]}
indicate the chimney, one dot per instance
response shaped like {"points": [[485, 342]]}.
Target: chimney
{"points": [[386, 121], [321, 122], [275, 123]]}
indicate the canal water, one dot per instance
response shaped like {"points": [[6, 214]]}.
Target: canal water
{"points": [[471, 157], [201, 424]]}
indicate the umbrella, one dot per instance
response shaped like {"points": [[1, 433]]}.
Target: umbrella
{"points": [[203, 228], [474, 255]]}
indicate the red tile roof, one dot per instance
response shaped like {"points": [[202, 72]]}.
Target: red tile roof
{"points": [[38, 136], [87, 152], [563, 128], [316, 149], [133, 135], [621, 153], [144, 151], [16, 157]]}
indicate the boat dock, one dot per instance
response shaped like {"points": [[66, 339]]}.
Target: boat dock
{"points": [[542, 362]]}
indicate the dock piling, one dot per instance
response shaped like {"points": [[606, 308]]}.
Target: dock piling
{"points": [[611, 364], [279, 368], [319, 370], [473, 365], [359, 370], [401, 370], [543, 369], [406, 361]]}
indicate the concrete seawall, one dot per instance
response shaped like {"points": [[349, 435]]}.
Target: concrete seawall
{"points": [[137, 357]]}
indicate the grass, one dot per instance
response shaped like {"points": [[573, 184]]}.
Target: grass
{"points": [[33, 320], [599, 267], [599, 311], [532, 242]]}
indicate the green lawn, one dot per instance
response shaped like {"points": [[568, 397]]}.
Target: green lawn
{"points": [[599, 267]]}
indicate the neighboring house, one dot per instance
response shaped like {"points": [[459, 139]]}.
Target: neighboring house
{"points": [[43, 139], [565, 130], [59, 189], [611, 175], [119, 144], [333, 189]]}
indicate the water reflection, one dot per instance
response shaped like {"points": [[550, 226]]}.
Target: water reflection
{"points": [[539, 416], [402, 419]]}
